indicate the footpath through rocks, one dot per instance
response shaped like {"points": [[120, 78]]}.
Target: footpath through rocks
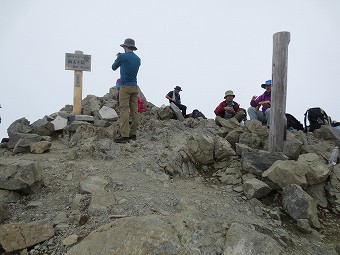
{"points": [[183, 187]]}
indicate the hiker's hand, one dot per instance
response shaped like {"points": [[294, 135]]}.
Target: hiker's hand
{"points": [[229, 109], [253, 98]]}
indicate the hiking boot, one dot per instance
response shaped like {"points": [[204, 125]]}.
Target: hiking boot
{"points": [[120, 139], [133, 137]]}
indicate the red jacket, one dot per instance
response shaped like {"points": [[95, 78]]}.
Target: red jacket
{"points": [[219, 111]]}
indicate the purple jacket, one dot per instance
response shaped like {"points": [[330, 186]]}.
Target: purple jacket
{"points": [[264, 97]]}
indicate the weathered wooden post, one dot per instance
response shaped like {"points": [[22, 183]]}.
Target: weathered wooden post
{"points": [[278, 121], [79, 63]]}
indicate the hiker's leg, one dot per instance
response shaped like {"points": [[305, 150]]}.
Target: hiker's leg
{"points": [[268, 117], [253, 113], [183, 109], [240, 116], [134, 110], [124, 105]]}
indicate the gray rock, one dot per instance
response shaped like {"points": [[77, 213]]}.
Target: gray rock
{"points": [[223, 149], [107, 113], [256, 162], [317, 171], [292, 146], [19, 126], [333, 188], [252, 140], [299, 205], [242, 148], [40, 147], [228, 124], [59, 123], [256, 127], [327, 132], [246, 241], [284, 172], [26, 140], [43, 127], [255, 188], [318, 193], [201, 148], [165, 113], [15, 237], [3, 211], [233, 136], [20, 175], [86, 118]]}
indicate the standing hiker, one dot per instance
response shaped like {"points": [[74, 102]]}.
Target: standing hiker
{"points": [[175, 98], [229, 108], [129, 64], [263, 101]]}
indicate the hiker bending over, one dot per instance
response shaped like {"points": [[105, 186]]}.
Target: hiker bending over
{"points": [[229, 109], [175, 98], [263, 101], [129, 64]]}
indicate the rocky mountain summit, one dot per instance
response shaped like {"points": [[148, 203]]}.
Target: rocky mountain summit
{"points": [[183, 187]]}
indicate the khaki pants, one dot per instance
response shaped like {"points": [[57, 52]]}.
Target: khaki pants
{"points": [[128, 100]]}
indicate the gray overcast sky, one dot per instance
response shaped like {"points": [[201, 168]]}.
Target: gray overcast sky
{"points": [[207, 47]]}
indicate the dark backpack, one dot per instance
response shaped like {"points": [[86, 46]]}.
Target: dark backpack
{"points": [[197, 114], [292, 122], [316, 117]]}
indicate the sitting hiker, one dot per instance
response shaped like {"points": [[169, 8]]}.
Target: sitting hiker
{"points": [[264, 101], [229, 108], [174, 97]]}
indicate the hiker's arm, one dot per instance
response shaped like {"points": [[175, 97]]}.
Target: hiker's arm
{"points": [[169, 97], [220, 109], [117, 62], [255, 101]]}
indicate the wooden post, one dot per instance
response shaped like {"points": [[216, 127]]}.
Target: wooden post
{"points": [[78, 89], [278, 121]]}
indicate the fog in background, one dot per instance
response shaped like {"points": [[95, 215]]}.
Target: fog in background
{"points": [[206, 47]]}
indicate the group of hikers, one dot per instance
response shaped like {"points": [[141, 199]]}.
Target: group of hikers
{"points": [[129, 64], [231, 109]]}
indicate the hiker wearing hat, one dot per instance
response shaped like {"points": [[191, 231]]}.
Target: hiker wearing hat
{"points": [[129, 64], [175, 98], [263, 101], [229, 109]]}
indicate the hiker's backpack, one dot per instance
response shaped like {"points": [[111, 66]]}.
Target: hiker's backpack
{"points": [[292, 122], [316, 117], [196, 114]]}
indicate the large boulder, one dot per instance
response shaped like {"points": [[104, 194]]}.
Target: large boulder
{"points": [[333, 188], [43, 127], [299, 205], [20, 175], [19, 126], [247, 241], [285, 172], [256, 162], [201, 148], [292, 146], [254, 188], [15, 237], [316, 169]]}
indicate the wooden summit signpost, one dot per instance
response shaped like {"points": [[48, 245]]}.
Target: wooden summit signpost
{"points": [[79, 63], [278, 121]]}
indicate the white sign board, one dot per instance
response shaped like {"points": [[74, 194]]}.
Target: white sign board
{"points": [[78, 62]]}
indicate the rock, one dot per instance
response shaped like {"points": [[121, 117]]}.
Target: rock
{"points": [[317, 171], [299, 205], [285, 172], [107, 113], [3, 211], [165, 113], [222, 149], [86, 118], [234, 136], [59, 123], [327, 132], [318, 193], [333, 188], [201, 148], [256, 162], [255, 188], [292, 146], [304, 226], [70, 240], [8, 196], [242, 148], [40, 147], [256, 127], [19, 126], [43, 127], [246, 241], [228, 124], [91, 105], [20, 175], [15, 237], [26, 140], [177, 111], [252, 140]]}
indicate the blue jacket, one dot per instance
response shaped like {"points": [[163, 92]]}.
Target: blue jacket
{"points": [[129, 64]]}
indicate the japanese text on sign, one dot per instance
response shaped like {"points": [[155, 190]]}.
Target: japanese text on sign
{"points": [[79, 62]]}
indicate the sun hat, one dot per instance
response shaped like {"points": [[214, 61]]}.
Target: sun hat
{"points": [[267, 83], [229, 93], [178, 88], [130, 43]]}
